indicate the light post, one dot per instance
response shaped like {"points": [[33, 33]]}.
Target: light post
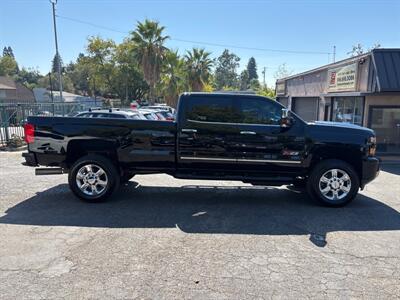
{"points": [[53, 3]]}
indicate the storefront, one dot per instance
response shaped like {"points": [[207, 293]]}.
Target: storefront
{"points": [[362, 90]]}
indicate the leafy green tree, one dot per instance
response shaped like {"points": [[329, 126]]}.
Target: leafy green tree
{"points": [[8, 66], [7, 51], [244, 80], [252, 68], [79, 73], [149, 51], [266, 92], [198, 68], [100, 64], [255, 84], [29, 77], [173, 78], [225, 73], [128, 82], [44, 82], [56, 63]]}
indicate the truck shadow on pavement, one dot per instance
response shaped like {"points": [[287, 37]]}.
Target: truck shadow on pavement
{"points": [[204, 209]]}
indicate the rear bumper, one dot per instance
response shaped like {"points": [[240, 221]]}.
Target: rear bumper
{"points": [[30, 159], [370, 170]]}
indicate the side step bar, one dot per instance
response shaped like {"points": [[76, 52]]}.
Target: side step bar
{"points": [[48, 171]]}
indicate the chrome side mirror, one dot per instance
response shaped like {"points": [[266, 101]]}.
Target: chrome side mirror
{"points": [[286, 120], [285, 113]]}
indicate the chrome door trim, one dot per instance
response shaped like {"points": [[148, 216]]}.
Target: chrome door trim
{"points": [[277, 161], [207, 158], [189, 130], [248, 132], [242, 160]]}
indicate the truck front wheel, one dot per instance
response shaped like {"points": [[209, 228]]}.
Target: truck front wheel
{"points": [[333, 183], [93, 178]]}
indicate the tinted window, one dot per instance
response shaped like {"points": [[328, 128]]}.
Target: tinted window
{"points": [[259, 111], [213, 109]]}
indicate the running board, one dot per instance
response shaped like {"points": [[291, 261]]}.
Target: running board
{"points": [[48, 171], [255, 180]]}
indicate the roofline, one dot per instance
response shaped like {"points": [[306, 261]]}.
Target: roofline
{"points": [[221, 94], [338, 63]]}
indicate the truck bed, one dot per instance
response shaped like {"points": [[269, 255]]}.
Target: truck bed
{"points": [[139, 142]]}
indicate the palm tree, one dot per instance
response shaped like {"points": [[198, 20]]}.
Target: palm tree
{"points": [[198, 67], [149, 51], [172, 79]]}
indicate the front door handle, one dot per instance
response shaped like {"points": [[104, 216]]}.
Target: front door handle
{"points": [[188, 130], [248, 132]]}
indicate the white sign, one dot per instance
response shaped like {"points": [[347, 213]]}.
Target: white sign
{"points": [[343, 78]]}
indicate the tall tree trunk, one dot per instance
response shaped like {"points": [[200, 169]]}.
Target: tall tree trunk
{"points": [[151, 94]]}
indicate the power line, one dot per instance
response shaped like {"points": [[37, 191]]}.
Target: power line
{"points": [[202, 42]]}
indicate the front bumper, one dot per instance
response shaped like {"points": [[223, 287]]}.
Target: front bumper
{"points": [[30, 159], [370, 170]]}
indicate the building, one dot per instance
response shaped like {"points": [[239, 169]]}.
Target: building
{"points": [[45, 96], [363, 90], [12, 92]]}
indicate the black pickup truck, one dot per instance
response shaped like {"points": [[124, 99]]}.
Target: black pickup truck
{"points": [[215, 136]]}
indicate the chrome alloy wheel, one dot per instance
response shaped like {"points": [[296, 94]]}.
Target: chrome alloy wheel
{"points": [[335, 184], [91, 179]]}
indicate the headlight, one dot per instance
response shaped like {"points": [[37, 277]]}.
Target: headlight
{"points": [[372, 146]]}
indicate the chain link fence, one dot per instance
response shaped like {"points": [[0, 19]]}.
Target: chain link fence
{"points": [[13, 116]]}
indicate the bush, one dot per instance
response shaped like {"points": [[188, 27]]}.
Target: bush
{"points": [[15, 141]]}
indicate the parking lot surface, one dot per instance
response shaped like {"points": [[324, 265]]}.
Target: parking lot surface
{"points": [[185, 239]]}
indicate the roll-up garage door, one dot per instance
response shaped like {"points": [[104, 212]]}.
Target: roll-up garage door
{"points": [[306, 107]]}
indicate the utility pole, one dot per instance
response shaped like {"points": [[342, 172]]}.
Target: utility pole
{"points": [[263, 72], [53, 3], [94, 91], [51, 92], [334, 53]]}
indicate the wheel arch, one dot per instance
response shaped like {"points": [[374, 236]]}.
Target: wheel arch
{"points": [[80, 148], [351, 155]]}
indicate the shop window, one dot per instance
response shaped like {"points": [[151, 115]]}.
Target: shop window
{"points": [[385, 121], [348, 109]]}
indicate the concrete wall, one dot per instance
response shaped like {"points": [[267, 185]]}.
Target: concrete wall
{"points": [[309, 85]]}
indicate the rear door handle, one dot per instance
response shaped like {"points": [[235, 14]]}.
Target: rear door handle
{"points": [[188, 130], [248, 132]]}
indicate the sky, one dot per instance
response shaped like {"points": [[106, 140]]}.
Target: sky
{"points": [[307, 30]]}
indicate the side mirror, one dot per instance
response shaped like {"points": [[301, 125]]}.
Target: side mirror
{"points": [[286, 120]]}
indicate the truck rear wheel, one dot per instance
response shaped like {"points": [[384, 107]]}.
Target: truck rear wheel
{"points": [[333, 183], [93, 178]]}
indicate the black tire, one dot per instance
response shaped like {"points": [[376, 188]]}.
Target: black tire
{"points": [[111, 178], [324, 168]]}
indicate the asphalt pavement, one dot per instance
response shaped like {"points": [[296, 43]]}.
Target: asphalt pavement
{"points": [[163, 238]]}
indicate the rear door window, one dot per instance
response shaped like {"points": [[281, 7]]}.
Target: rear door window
{"points": [[212, 109]]}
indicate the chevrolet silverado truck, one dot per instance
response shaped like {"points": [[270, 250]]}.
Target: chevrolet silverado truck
{"points": [[247, 138]]}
